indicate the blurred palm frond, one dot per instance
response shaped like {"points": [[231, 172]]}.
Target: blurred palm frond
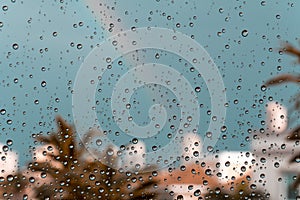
{"points": [[14, 186], [292, 50], [285, 78], [72, 176], [293, 135]]}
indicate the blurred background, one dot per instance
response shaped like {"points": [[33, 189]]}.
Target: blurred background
{"points": [[44, 43]]}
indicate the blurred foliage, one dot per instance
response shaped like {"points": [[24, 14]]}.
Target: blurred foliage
{"points": [[15, 186], [69, 173]]}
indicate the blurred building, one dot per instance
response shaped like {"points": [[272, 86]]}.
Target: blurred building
{"points": [[265, 169], [273, 171]]}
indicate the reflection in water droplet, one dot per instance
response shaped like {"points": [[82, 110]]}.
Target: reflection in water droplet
{"points": [[10, 177], [31, 179], [43, 83], [2, 111], [9, 142], [4, 8], [245, 33], [197, 89], [9, 122], [197, 193], [79, 46], [15, 46], [98, 142], [92, 177]]}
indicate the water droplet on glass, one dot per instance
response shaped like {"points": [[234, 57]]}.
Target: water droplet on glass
{"points": [[15, 46], [197, 193], [135, 140], [110, 152], [10, 177], [157, 55], [43, 175], [4, 8], [108, 60], [208, 134], [196, 153], [31, 179], [2, 111], [154, 148], [9, 122], [98, 142], [128, 106], [210, 148], [79, 46], [92, 177], [245, 33], [197, 89], [9, 142], [43, 83]]}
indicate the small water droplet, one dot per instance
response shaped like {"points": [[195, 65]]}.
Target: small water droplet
{"points": [[2, 111], [110, 152], [245, 33], [4, 8], [43, 175], [157, 55], [31, 179], [10, 178], [9, 121], [197, 89], [154, 148], [15, 46], [135, 140], [98, 142], [108, 60], [79, 46], [9, 142], [92, 177], [197, 193], [43, 83]]}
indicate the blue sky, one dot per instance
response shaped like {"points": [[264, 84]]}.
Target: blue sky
{"points": [[53, 39]]}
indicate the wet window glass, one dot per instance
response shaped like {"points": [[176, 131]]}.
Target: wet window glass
{"points": [[157, 99]]}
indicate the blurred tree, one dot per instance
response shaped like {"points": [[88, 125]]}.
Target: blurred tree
{"points": [[79, 178], [67, 172]]}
